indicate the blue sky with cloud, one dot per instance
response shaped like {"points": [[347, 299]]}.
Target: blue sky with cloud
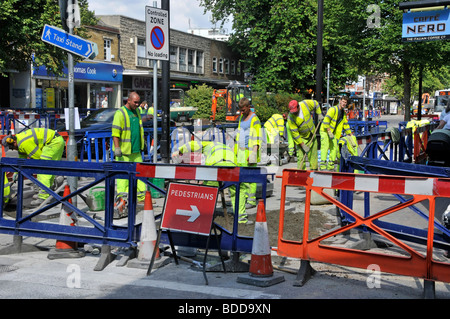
{"points": [[183, 14]]}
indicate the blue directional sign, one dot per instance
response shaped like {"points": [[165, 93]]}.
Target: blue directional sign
{"points": [[68, 42]]}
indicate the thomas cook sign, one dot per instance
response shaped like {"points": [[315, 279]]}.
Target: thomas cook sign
{"points": [[426, 25]]}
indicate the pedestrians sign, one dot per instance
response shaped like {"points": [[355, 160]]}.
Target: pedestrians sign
{"points": [[189, 208], [157, 33], [68, 42]]}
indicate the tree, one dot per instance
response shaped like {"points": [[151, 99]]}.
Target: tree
{"points": [[376, 47], [21, 25], [276, 39]]}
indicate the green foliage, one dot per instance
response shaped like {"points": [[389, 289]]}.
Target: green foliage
{"points": [[200, 96], [277, 40], [21, 25]]}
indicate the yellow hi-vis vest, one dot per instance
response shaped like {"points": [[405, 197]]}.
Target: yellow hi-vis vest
{"points": [[121, 129], [274, 126], [330, 121], [216, 154], [313, 106], [301, 126], [31, 142]]}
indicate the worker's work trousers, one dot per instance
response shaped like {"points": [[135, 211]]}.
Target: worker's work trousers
{"points": [[248, 188], [242, 214], [51, 151], [122, 184], [328, 144], [312, 155]]}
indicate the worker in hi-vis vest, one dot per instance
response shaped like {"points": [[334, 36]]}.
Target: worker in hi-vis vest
{"points": [[301, 124], [333, 126], [128, 144], [247, 146], [37, 143], [274, 128], [214, 154]]}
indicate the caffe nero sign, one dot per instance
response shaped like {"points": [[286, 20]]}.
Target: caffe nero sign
{"points": [[426, 25]]}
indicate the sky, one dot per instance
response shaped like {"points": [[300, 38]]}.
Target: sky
{"points": [[183, 14]]}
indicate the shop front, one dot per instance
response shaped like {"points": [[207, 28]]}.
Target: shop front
{"points": [[97, 85]]}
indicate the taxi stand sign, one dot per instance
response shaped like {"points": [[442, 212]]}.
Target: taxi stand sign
{"points": [[189, 208], [67, 41]]}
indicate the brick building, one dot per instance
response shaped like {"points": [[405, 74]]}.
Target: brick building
{"points": [[193, 59]]}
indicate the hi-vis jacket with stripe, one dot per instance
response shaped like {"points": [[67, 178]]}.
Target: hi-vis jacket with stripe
{"points": [[121, 129], [254, 138], [301, 126], [31, 142], [217, 154], [274, 126], [336, 125]]}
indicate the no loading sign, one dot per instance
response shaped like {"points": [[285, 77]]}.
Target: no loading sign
{"points": [[157, 33], [157, 38]]}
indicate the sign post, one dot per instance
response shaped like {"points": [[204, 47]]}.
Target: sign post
{"points": [[157, 48]]}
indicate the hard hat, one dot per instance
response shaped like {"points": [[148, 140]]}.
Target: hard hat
{"points": [[293, 106], [7, 141]]}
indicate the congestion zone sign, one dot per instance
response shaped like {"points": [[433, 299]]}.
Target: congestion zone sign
{"points": [[156, 33], [189, 208]]}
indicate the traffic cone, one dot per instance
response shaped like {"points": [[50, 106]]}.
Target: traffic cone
{"points": [[261, 269], [148, 231], [66, 249], [147, 243]]}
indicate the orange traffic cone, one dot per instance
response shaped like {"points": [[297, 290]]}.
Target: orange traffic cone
{"points": [[66, 249], [261, 269], [148, 232], [147, 243]]}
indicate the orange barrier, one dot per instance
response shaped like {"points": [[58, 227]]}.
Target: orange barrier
{"points": [[416, 265]]}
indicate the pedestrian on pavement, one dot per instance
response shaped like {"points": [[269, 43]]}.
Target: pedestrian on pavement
{"points": [[333, 126], [105, 103], [128, 144], [303, 131], [247, 147], [37, 143]]}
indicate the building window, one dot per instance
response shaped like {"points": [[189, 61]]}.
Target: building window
{"points": [[141, 53], [191, 60], [182, 59], [214, 65], [220, 65], [173, 58], [233, 67], [227, 66], [199, 62], [107, 49]]}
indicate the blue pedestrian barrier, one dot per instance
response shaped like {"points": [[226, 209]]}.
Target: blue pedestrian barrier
{"points": [[34, 223]]}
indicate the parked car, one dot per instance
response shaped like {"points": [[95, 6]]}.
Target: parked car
{"points": [[101, 121]]}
